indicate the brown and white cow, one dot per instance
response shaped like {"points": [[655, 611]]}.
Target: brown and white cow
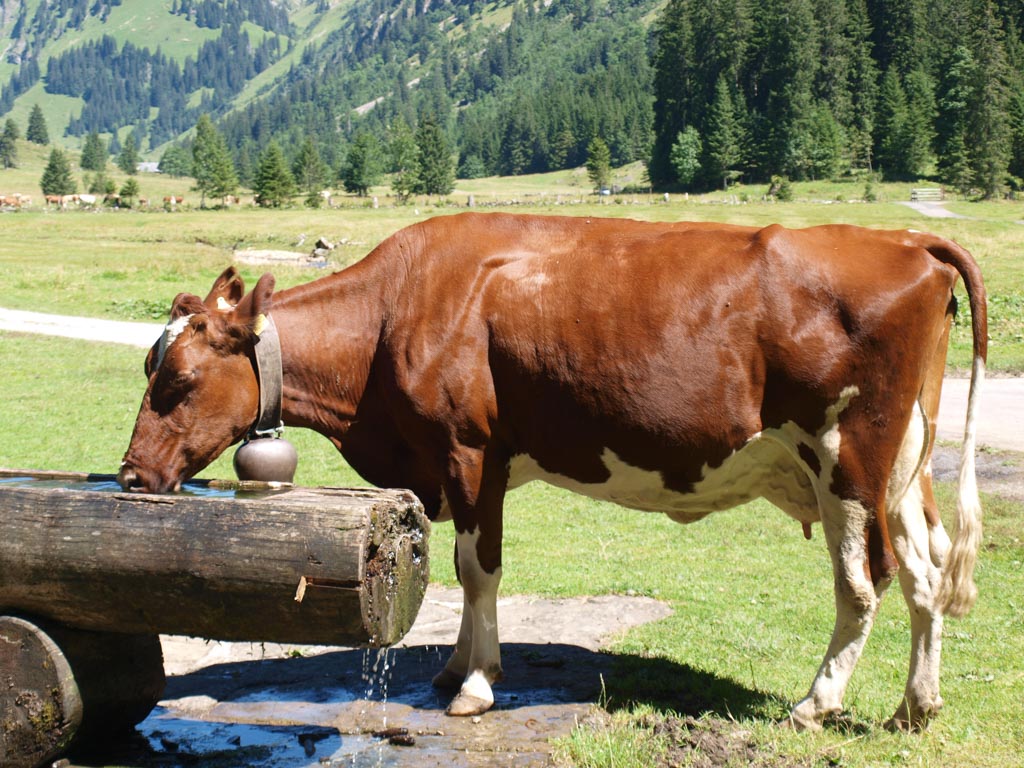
{"points": [[679, 368]]}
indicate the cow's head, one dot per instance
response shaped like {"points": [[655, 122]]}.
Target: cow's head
{"points": [[203, 393]]}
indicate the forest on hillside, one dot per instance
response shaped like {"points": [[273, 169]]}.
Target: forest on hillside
{"points": [[705, 92], [819, 88], [713, 91]]}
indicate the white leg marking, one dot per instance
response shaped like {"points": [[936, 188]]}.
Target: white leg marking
{"points": [[919, 552], [919, 578], [481, 606], [457, 667], [856, 605]]}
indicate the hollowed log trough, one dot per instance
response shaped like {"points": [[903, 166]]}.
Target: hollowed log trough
{"points": [[90, 578]]}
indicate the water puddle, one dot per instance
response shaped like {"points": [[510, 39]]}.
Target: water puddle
{"points": [[282, 724], [226, 745]]}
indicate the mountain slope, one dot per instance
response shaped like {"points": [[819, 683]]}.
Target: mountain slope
{"points": [[108, 65], [521, 87]]}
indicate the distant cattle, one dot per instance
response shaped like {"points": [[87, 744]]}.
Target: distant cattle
{"points": [[55, 200], [87, 200], [10, 201]]}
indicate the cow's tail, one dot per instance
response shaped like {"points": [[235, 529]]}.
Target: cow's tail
{"points": [[958, 591]]}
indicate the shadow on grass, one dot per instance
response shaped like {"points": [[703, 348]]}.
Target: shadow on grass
{"points": [[685, 690]]}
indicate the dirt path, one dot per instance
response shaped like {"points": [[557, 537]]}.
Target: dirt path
{"points": [[934, 209]]}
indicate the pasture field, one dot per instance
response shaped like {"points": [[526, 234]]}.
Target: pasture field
{"points": [[752, 613], [131, 264]]}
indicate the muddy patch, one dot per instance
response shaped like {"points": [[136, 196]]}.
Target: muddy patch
{"points": [[1000, 473]]}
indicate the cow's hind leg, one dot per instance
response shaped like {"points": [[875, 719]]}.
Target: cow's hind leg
{"points": [[861, 575], [920, 576], [920, 544], [844, 523]]}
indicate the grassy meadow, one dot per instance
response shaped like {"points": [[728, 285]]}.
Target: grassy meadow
{"points": [[752, 614]]}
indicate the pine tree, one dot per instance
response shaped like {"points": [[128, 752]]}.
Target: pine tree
{"points": [[9, 144], [954, 105], [274, 184], [437, 169], [36, 131], [363, 162], [94, 153], [863, 83], [176, 161], [674, 86], [129, 191], [212, 166], [919, 127], [309, 172], [405, 160], [786, 37], [990, 128], [562, 147], [826, 144], [891, 152], [725, 139], [57, 179], [599, 164], [128, 159]]}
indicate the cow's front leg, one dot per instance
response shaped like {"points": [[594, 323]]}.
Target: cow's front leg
{"points": [[480, 616], [475, 496], [454, 673]]}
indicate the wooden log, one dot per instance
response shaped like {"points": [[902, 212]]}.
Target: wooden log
{"points": [[319, 566], [40, 707], [62, 686]]}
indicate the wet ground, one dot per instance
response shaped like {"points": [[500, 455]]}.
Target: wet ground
{"points": [[229, 705]]}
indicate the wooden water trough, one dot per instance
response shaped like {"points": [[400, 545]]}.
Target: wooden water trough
{"points": [[91, 575]]}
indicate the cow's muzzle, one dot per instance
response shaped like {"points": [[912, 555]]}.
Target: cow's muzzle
{"points": [[137, 480]]}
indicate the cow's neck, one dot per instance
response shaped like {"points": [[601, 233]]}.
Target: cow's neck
{"points": [[329, 332]]}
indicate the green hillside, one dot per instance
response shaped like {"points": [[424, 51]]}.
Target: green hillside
{"points": [[134, 60], [705, 94]]}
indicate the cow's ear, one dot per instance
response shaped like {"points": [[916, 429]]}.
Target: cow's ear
{"points": [[226, 292], [254, 308], [186, 304]]}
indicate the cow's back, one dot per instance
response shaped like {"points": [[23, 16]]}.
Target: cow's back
{"points": [[670, 344]]}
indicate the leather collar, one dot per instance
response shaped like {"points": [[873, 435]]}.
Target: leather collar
{"points": [[267, 361]]}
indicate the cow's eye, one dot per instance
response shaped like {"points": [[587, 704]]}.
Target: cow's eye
{"points": [[183, 379]]}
